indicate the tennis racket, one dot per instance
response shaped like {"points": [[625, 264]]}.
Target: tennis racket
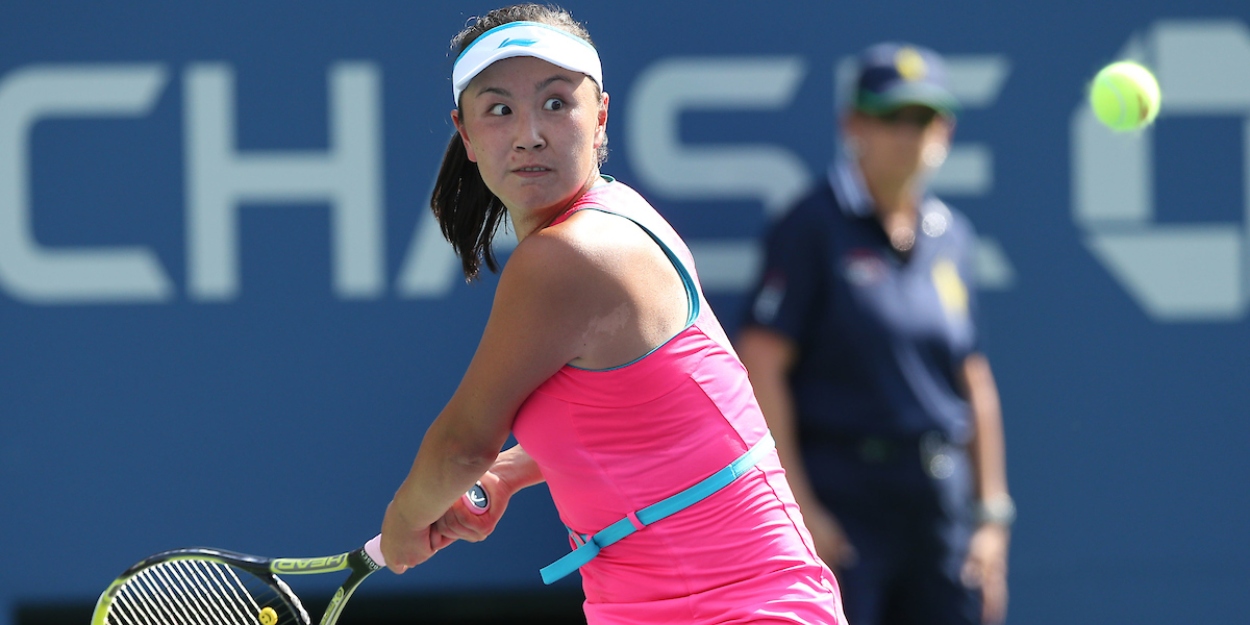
{"points": [[203, 586]]}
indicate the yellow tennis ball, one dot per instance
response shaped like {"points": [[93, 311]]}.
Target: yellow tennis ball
{"points": [[267, 616], [1125, 96]]}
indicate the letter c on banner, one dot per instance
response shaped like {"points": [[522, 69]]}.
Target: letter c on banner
{"points": [[1175, 272], [34, 274]]}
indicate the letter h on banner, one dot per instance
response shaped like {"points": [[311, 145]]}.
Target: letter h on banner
{"points": [[347, 175]]}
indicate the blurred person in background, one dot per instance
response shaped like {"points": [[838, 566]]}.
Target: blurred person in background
{"points": [[862, 346]]}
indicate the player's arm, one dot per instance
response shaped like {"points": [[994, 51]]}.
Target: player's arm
{"points": [[513, 470], [545, 298]]}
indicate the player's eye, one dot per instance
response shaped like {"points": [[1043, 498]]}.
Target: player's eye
{"points": [[553, 104], [500, 109]]}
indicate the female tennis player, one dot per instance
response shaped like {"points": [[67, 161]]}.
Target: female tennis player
{"points": [[603, 358]]}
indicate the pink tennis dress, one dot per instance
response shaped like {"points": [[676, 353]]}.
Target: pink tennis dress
{"points": [[612, 442]]}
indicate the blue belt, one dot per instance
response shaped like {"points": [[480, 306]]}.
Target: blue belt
{"points": [[588, 546]]}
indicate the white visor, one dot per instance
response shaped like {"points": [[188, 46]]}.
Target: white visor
{"points": [[541, 41]]}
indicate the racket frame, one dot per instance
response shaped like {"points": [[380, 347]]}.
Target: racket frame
{"points": [[358, 562], [362, 563]]}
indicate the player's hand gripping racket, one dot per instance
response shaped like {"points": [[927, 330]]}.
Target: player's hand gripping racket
{"points": [[218, 587]]}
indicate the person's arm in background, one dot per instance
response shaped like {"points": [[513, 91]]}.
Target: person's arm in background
{"points": [[986, 566], [768, 357]]}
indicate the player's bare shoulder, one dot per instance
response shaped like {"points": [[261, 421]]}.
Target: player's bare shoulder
{"points": [[563, 272], [589, 245], [558, 252]]}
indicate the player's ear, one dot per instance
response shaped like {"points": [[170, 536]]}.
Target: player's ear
{"points": [[601, 130], [464, 134]]}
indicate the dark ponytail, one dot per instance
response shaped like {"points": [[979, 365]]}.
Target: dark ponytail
{"points": [[468, 213]]}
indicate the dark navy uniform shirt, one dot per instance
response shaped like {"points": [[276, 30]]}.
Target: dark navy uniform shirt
{"points": [[881, 336]]}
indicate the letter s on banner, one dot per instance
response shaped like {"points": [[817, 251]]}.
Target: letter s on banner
{"points": [[770, 174]]}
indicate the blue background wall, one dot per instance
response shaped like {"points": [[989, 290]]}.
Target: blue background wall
{"points": [[147, 406]]}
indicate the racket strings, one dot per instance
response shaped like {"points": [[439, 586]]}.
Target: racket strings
{"points": [[197, 592]]}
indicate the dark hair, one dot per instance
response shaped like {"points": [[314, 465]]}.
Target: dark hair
{"points": [[468, 213]]}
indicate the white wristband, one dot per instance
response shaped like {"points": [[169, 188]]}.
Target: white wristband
{"points": [[999, 510]]}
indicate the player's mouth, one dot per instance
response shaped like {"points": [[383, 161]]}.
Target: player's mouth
{"points": [[531, 170]]}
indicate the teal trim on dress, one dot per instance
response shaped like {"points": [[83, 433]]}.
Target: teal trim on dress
{"points": [[693, 305], [589, 545]]}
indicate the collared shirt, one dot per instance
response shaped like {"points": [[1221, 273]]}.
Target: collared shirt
{"points": [[882, 336]]}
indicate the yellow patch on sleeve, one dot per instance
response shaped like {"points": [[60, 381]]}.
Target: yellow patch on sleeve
{"points": [[950, 288]]}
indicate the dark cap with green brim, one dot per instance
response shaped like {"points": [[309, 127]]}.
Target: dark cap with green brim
{"points": [[894, 75]]}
